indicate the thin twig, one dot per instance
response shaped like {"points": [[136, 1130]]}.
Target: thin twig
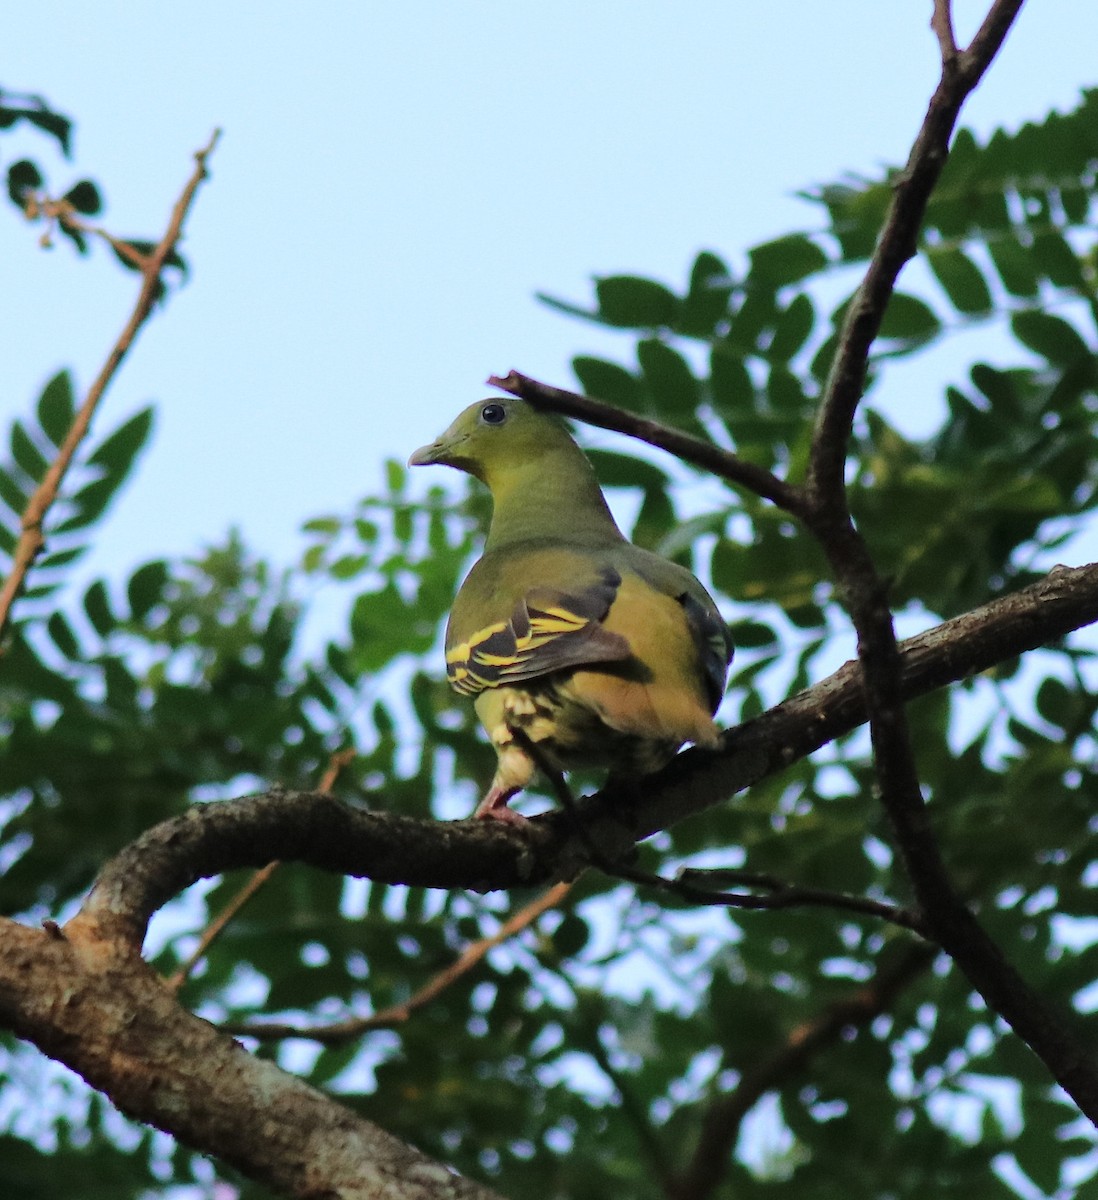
{"points": [[696, 451], [778, 892], [60, 213], [31, 538], [213, 931], [217, 926], [397, 1014], [942, 24]]}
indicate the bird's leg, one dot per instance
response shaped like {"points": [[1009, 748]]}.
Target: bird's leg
{"points": [[494, 806], [514, 771]]}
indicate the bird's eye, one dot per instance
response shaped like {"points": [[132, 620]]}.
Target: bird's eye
{"points": [[493, 414]]}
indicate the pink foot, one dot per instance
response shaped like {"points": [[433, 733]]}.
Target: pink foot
{"points": [[494, 807]]}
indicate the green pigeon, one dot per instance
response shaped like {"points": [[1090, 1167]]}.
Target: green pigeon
{"points": [[564, 633]]}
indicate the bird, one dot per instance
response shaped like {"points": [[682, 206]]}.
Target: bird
{"points": [[577, 647]]}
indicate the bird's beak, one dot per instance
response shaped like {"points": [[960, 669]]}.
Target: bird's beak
{"points": [[426, 455], [445, 449]]}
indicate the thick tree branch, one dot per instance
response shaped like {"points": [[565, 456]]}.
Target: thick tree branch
{"points": [[696, 451], [721, 1123], [96, 1006], [31, 538]]}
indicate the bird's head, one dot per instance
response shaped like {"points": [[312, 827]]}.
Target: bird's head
{"points": [[495, 437]]}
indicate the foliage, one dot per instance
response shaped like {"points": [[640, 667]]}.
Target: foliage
{"points": [[581, 1058]]}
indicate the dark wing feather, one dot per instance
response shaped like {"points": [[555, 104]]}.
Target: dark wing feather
{"points": [[548, 631], [714, 642]]}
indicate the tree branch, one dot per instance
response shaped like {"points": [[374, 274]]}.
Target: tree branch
{"points": [[696, 451], [895, 246], [31, 538], [942, 24], [865, 594], [122, 1029], [96, 1006]]}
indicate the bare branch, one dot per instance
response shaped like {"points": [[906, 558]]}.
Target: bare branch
{"points": [[31, 538], [397, 1014], [776, 893], [896, 244], [942, 24], [696, 451]]}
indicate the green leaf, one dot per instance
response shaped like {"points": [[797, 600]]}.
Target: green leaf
{"points": [[961, 279], [98, 607], [146, 588], [329, 526], [729, 382], [1057, 703], [750, 635], [90, 503], [623, 470], [1015, 265], [706, 301], [85, 198], [117, 452], [56, 407], [62, 636], [12, 494], [668, 378], [571, 935], [1058, 262], [908, 318], [1051, 337], [792, 329], [74, 235], [786, 260], [631, 302], [23, 178], [52, 123], [757, 313], [608, 381], [347, 566], [27, 456], [61, 559]]}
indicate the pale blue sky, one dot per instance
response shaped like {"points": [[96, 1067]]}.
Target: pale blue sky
{"points": [[396, 181]]}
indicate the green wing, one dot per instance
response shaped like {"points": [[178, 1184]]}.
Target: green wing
{"points": [[548, 631]]}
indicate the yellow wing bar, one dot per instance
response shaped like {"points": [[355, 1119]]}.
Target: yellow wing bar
{"points": [[542, 636]]}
